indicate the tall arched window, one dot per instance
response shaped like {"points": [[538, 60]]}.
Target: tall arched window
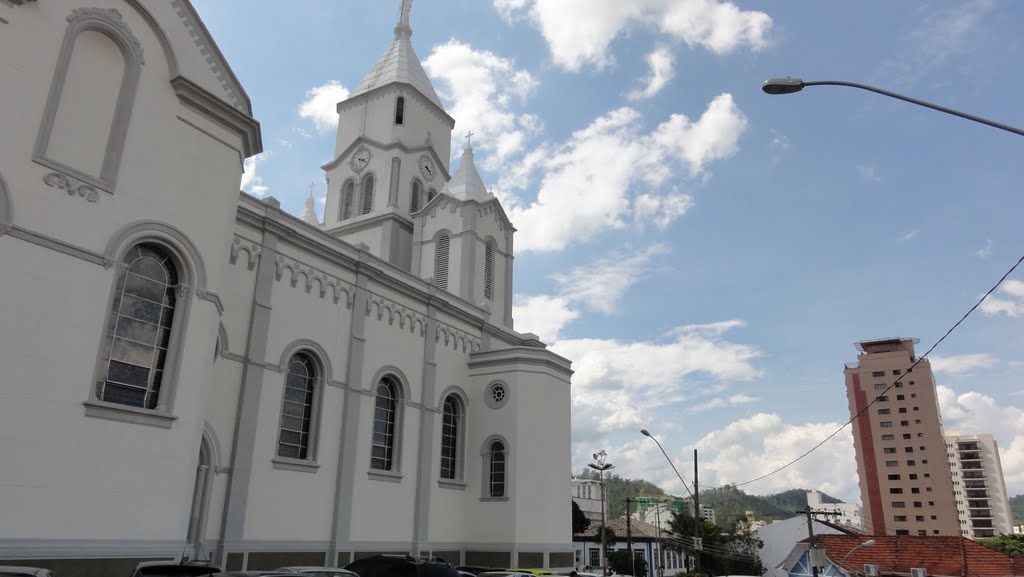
{"points": [[348, 199], [414, 202], [400, 110], [385, 417], [442, 249], [489, 270], [496, 469], [451, 435], [298, 408], [431, 195], [368, 183], [139, 329]]}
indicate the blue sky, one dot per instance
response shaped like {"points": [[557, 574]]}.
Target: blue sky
{"points": [[706, 254]]}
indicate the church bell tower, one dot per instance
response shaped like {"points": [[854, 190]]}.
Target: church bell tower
{"points": [[391, 154]]}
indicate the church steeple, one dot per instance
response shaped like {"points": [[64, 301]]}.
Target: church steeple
{"points": [[399, 64]]}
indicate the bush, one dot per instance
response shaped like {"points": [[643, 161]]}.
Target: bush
{"points": [[621, 563]]}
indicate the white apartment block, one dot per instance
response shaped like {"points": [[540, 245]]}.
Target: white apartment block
{"points": [[588, 493], [981, 500]]}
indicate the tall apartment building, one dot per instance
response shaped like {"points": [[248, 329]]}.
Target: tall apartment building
{"points": [[905, 481], [978, 486]]}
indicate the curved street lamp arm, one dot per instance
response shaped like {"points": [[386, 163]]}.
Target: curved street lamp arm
{"points": [[917, 101], [673, 465]]}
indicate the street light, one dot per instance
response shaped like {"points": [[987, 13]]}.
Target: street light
{"points": [[867, 543], [601, 466], [790, 85], [693, 495]]}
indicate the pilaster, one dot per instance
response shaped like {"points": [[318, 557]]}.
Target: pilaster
{"points": [[428, 417]]}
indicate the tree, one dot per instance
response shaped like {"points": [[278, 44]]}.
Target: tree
{"points": [[619, 489], [1009, 544], [622, 564], [580, 523], [607, 535], [725, 551]]}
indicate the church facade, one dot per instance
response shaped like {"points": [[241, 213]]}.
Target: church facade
{"points": [[234, 383]]}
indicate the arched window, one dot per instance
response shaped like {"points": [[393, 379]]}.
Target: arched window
{"points": [[451, 438], [368, 183], [348, 199], [489, 270], [414, 202], [298, 408], [400, 110], [385, 417], [139, 332], [442, 248], [431, 195], [496, 469]]}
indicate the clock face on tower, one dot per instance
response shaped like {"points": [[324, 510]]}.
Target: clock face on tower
{"points": [[427, 168], [360, 159]]}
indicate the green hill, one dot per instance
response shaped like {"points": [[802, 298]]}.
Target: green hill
{"points": [[1017, 509], [730, 503]]}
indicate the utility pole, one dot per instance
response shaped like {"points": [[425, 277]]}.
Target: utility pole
{"points": [[601, 466], [657, 523], [698, 546], [629, 535], [810, 535]]}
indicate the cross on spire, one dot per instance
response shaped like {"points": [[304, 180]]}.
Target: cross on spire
{"points": [[312, 187], [469, 139], [403, 15]]}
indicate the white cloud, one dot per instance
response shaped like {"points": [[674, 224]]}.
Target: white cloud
{"points": [[542, 315], [721, 402], [962, 364], [1011, 306], [482, 88], [598, 285], [985, 251], [252, 183], [976, 413], [661, 63], [910, 235], [616, 382], [753, 446], [778, 145], [602, 284], [867, 173], [321, 105], [942, 33], [611, 172], [716, 25]]}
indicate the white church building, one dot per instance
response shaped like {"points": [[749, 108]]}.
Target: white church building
{"points": [[190, 371]]}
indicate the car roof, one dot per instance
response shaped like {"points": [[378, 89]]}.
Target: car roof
{"points": [[18, 570], [305, 569]]}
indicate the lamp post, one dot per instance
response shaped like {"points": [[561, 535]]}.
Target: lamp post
{"points": [[867, 543], [791, 85], [693, 495], [601, 466]]}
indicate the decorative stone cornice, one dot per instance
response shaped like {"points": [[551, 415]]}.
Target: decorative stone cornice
{"points": [[310, 276], [72, 185], [112, 17], [383, 309], [456, 339], [251, 249], [214, 58]]}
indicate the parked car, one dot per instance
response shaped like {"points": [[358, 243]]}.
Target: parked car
{"points": [[506, 573], [478, 570], [318, 571], [250, 574], [535, 571], [11, 571], [401, 566], [168, 569]]}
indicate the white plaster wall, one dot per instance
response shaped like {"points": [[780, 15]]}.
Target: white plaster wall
{"points": [[102, 479]]}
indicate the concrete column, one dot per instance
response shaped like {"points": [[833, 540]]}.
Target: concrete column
{"points": [[396, 167], [345, 477], [467, 264], [243, 444], [428, 418], [509, 259]]}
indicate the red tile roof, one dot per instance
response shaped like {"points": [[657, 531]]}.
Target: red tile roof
{"points": [[941, 556], [639, 529]]}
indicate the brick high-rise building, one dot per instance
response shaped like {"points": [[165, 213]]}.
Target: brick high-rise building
{"points": [[905, 482], [978, 485]]}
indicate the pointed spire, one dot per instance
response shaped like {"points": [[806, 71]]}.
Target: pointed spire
{"points": [[309, 214], [403, 29], [466, 183], [399, 64]]}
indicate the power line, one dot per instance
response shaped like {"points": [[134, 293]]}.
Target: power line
{"points": [[875, 400]]}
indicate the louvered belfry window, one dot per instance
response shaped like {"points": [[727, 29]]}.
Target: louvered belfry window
{"points": [[414, 203], [489, 271], [441, 261], [368, 183], [348, 199], [400, 110]]}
